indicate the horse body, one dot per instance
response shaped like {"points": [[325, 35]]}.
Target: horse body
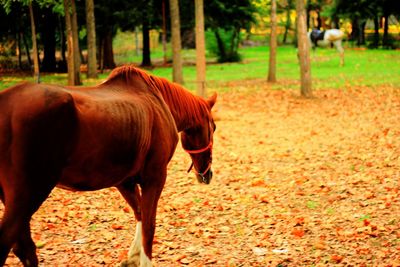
{"points": [[326, 38], [120, 133]]}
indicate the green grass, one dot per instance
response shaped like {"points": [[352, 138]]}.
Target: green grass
{"points": [[362, 68]]}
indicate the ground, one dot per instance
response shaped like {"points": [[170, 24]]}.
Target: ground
{"points": [[296, 182]]}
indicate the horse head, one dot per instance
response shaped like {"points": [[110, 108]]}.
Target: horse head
{"points": [[198, 142]]}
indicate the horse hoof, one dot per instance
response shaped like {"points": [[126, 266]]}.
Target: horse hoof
{"points": [[128, 263]]}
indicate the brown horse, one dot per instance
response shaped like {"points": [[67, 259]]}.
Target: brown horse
{"points": [[120, 133]]}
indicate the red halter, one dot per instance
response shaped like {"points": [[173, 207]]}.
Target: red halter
{"points": [[201, 150], [198, 151]]}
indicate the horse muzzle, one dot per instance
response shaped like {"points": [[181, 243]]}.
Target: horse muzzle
{"points": [[204, 178]]}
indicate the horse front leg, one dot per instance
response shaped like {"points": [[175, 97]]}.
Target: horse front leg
{"points": [[144, 204], [151, 192]]}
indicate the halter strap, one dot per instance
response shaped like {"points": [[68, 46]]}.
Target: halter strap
{"points": [[198, 151]]}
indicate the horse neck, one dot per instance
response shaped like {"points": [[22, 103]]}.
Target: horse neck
{"points": [[187, 109]]}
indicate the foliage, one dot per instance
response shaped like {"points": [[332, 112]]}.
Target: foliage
{"points": [[220, 37], [226, 19], [361, 69]]}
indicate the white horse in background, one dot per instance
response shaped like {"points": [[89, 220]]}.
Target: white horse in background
{"points": [[326, 38]]}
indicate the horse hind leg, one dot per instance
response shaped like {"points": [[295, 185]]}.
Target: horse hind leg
{"points": [[339, 48], [25, 248], [131, 193], [21, 201], [15, 233]]}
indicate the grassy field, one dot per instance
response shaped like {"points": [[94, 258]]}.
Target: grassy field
{"points": [[362, 68]]}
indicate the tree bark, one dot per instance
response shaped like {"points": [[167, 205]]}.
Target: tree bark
{"points": [[49, 40], [77, 53], [177, 75], [91, 40], [28, 55], [108, 54], [200, 48], [376, 31], [72, 71], [62, 41], [19, 49], [361, 37], [308, 15], [385, 38], [146, 58], [220, 44], [304, 50], [36, 72], [287, 25], [355, 30], [272, 44], [164, 32]]}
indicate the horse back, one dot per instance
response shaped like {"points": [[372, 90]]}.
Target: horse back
{"points": [[118, 130]]}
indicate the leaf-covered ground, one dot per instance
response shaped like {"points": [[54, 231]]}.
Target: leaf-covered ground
{"points": [[296, 183]]}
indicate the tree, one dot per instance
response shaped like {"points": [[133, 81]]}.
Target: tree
{"points": [[34, 43], [200, 48], [304, 50], [48, 23], [226, 18], [273, 44], [176, 42], [73, 58], [164, 32], [288, 8], [91, 40], [109, 16], [146, 60]]}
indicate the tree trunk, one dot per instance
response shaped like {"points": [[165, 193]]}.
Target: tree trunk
{"points": [[49, 41], [385, 38], [361, 37], [28, 55], [234, 41], [91, 40], [200, 48], [100, 50], [376, 31], [34, 43], [108, 54], [304, 50], [308, 12], [146, 58], [164, 32], [354, 29], [19, 49], [220, 44], [319, 20], [273, 44], [335, 22], [75, 43], [287, 25], [72, 73], [137, 48], [177, 75], [62, 42]]}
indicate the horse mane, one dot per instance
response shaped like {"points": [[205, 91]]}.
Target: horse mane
{"points": [[187, 109]]}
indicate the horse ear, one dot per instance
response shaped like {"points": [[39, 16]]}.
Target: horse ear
{"points": [[211, 100]]}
